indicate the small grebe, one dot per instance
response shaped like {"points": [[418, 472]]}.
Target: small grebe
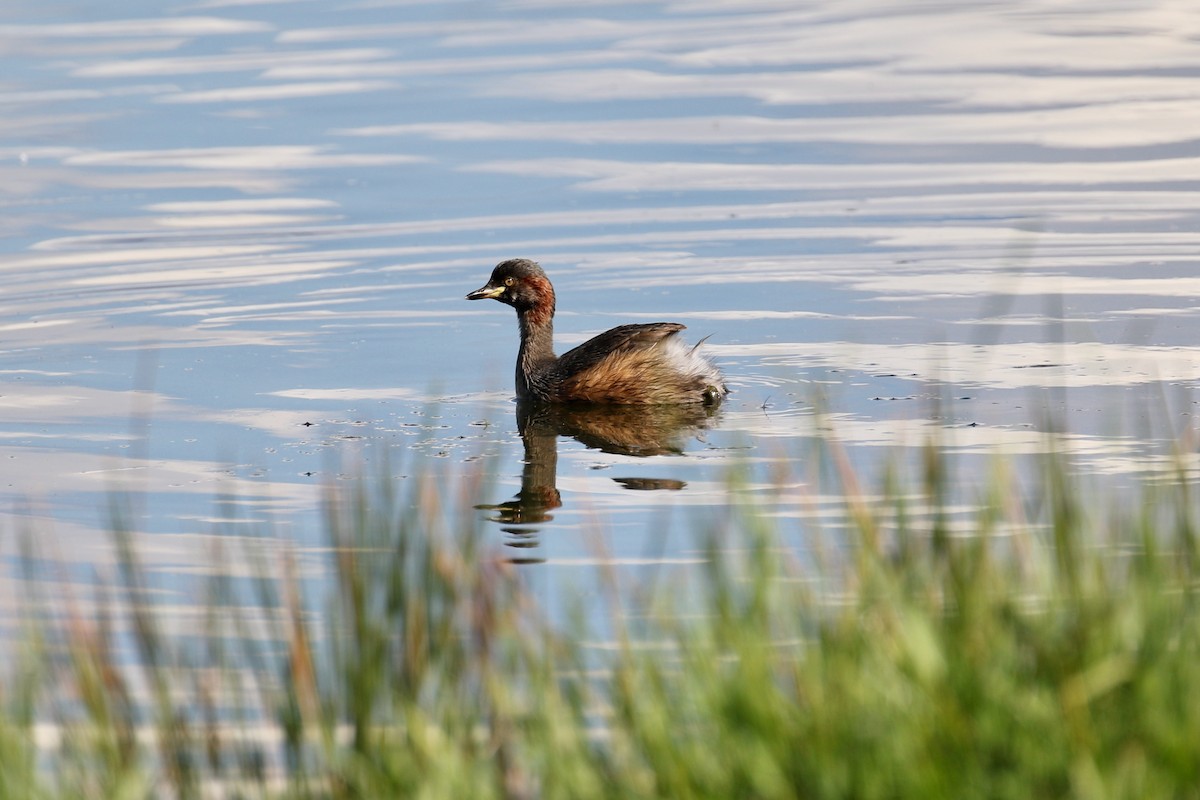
{"points": [[630, 364]]}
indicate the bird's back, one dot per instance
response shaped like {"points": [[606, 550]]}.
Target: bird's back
{"points": [[641, 364]]}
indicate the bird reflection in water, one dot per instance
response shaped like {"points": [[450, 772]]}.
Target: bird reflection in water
{"points": [[625, 430]]}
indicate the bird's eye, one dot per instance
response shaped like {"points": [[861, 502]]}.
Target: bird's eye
{"points": [[509, 281]]}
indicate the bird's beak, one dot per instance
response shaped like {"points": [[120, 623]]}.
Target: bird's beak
{"points": [[488, 292]]}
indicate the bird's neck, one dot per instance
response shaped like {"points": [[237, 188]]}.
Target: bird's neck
{"points": [[537, 346]]}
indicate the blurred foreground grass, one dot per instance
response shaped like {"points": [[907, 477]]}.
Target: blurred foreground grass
{"points": [[1046, 644]]}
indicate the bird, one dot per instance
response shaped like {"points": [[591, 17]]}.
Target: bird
{"points": [[640, 364]]}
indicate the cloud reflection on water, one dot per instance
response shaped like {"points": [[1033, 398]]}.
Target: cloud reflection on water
{"points": [[1111, 123], [1018, 365], [674, 176]]}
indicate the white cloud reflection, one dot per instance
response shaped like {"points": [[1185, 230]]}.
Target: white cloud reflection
{"points": [[673, 176], [263, 157], [225, 62], [1018, 365], [1109, 122], [279, 91], [150, 27], [249, 205]]}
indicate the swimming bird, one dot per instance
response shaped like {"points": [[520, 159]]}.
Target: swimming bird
{"points": [[644, 364]]}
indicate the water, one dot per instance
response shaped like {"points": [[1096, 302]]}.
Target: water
{"points": [[237, 237]]}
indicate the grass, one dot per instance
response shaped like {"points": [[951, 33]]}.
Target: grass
{"points": [[1045, 645]]}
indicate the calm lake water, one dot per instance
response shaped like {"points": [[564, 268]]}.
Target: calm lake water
{"points": [[237, 236]]}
